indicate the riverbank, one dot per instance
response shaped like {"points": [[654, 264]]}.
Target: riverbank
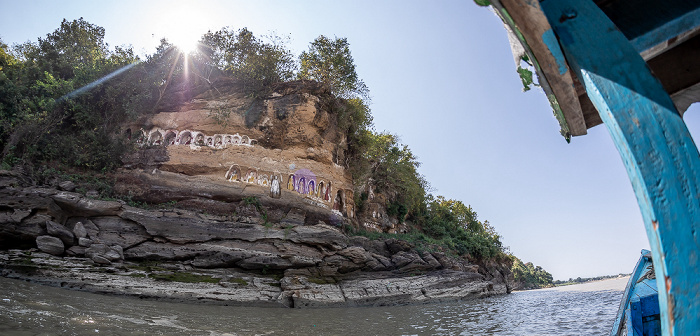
{"points": [[68, 240], [176, 282], [30, 309]]}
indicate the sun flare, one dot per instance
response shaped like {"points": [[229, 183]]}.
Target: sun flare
{"points": [[183, 26]]}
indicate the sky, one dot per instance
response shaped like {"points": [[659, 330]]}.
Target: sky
{"points": [[442, 78]]}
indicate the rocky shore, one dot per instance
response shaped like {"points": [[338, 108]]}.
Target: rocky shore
{"points": [[66, 239]]}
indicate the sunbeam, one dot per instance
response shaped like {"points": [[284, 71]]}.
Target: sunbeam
{"points": [[97, 82]]}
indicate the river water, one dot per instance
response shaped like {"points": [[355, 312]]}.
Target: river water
{"points": [[587, 309]]}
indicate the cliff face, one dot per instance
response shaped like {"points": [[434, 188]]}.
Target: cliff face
{"points": [[250, 197], [285, 146], [236, 259]]}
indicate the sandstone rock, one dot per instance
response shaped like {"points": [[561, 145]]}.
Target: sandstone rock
{"points": [[372, 246], [82, 206], [117, 231], [428, 258], [218, 259], [188, 230], [119, 250], [264, 261], [22, 234], [84, 242], [101, 252], [96, 249], [91, 229], [66, 186], [18, 215], [79, 230], [341, 264], [92, 194], [322, 235], [76, 251], [383, 260], [395, 246], [402, 259], [60, 231], [99, 259], [294, 217], [357, 255], [111, 255], [50, 245]]}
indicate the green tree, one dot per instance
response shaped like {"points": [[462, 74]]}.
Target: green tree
{"points": [[529, 275], [330, 62], [257, 63], [57, 106]]}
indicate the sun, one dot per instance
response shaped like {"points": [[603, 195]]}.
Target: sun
{"points": [[186, 43], [183, 26]]}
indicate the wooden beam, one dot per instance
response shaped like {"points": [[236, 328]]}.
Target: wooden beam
{"points": [[550, 62], [678, 69], [659, 154]]}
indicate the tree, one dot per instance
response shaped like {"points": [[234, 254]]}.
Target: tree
{"points": [[330, 62], [257, 63], [56, 105]]}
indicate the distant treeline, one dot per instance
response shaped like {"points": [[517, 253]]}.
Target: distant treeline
{"points": [[579, 280]]}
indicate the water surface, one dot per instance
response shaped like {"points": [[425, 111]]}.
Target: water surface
{"points": [[588, 309]]}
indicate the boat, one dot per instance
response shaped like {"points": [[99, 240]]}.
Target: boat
{"points": [[633, 67], [639, 313]]}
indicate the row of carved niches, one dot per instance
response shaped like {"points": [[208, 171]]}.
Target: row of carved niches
{"points": [[160, 137], [304, 183]]}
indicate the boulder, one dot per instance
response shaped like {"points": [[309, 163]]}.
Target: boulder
{"points": [[101, 252], [66, 186], [357, 255], [428, 258], [50, 245], [117, 231], [320, 235], [76, 251], [79, 230], [402, 259], [82, 206], [22, 234], [60, 231], [91, 229], [395, 246], [84, 242]]}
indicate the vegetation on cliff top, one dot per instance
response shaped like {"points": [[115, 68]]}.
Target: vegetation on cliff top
{"points": [[60, 96], [530, 276]]}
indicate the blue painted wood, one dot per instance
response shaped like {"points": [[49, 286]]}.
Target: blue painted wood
{"points": [[649, 22], [659, 154], [623, 310], [629, 331], [667, 30], [636, 316]]}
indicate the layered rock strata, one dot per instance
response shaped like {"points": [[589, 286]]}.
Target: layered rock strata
{"points": [[285, 256]]}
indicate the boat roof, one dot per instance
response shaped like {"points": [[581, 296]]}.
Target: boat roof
{"points": [[665, 33]]}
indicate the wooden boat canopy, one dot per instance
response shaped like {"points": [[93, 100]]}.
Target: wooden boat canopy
{"points": [[665, 33]]}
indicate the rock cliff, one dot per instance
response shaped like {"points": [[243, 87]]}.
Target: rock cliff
{"points": [[283, 146], [287, 254]]}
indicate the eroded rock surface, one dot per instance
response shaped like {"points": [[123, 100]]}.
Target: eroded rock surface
{"points": [[299, 260]]}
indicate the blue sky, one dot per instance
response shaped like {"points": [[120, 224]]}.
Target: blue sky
{"points": [[442, 78]]}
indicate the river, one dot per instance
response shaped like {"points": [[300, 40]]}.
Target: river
{"points": [[586, 309]]}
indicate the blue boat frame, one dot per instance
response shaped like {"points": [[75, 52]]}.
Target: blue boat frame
{"points": [[661, 159]]}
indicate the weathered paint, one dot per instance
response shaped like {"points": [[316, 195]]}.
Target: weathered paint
{"points": [[667, 31], [659, 154], [553, 45], [623, 310]]}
